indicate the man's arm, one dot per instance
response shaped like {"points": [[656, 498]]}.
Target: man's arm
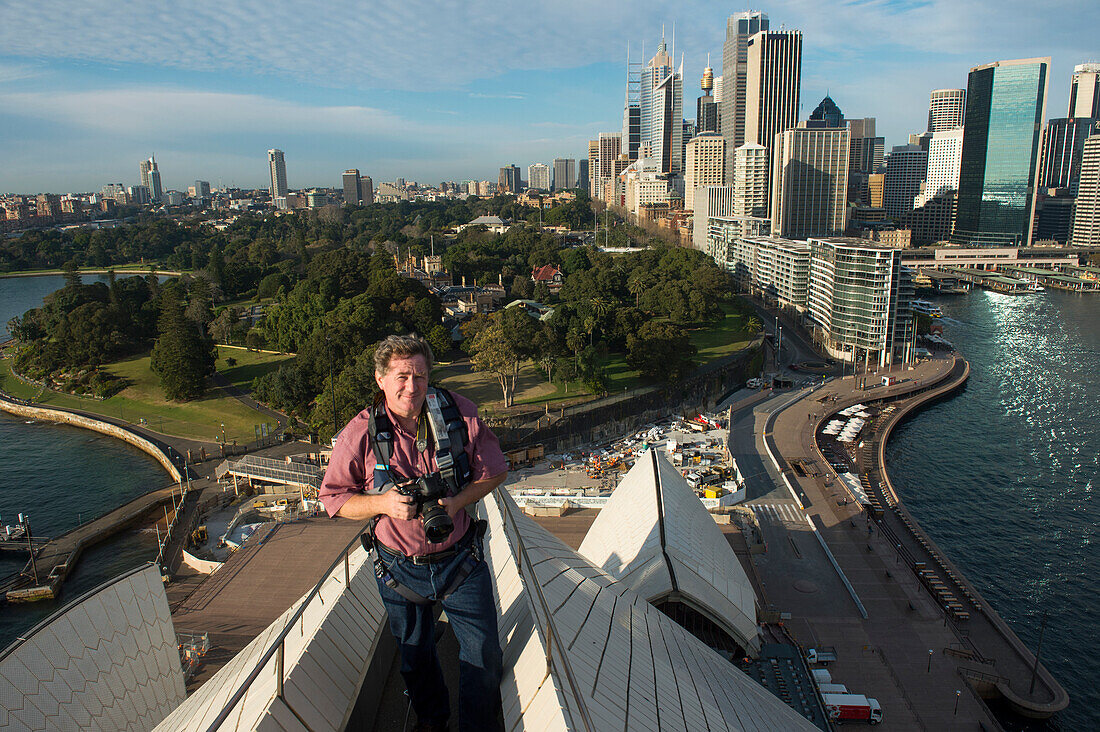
{"points": [[471, 494], [392, 503]]}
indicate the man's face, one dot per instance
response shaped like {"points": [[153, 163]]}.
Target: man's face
{"points": [[405, 385]]}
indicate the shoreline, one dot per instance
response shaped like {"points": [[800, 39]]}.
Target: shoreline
{"points": [[96, 271], [1019, 703]]}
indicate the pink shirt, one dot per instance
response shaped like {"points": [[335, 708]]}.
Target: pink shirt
{"points": [[351, 472]]}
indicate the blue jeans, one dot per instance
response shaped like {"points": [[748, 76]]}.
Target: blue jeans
{"points": [[471, 612]]}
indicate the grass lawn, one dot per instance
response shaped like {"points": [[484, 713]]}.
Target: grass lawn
{"points": [[716, 341], [200, 419], [249, 364]]}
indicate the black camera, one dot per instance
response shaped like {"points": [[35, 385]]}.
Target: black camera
{"points": [[426, 492]]}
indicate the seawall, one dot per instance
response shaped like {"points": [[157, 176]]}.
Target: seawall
{"points": [[61, 416]]}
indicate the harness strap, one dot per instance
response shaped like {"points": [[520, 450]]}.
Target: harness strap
{"points": [[469, 564]]}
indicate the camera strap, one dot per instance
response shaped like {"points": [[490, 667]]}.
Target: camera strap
{"points": [[472, 558]]}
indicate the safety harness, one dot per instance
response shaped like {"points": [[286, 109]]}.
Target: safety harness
{"points": [[442, 418]]}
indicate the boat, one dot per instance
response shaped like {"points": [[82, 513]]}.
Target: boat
{"points": [[926, 308]]}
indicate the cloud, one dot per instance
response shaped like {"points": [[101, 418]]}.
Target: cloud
{"points": [[17, 72], [137, 111], [479, 95]]}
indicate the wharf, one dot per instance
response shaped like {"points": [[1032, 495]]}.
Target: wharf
{"points": [[56, 559], [921, 623]]}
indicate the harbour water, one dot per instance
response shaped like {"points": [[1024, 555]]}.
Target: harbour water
{"points": [[61, 476], [1003, 475]]}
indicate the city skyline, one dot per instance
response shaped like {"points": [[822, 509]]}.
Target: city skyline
{"points": [[415, 98]]}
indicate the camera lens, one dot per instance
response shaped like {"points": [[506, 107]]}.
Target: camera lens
{"points": [[437, 524]]}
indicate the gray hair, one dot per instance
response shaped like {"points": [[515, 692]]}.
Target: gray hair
{"points": [[401, 346]]}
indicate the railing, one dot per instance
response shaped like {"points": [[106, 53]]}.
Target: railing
{"points": [[276, 650], [555, 654], [162, 541]]}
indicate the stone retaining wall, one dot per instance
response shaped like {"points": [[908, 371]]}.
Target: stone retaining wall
{"points": [[49, 414]]}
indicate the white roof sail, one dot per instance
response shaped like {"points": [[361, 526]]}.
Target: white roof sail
{"points": [[584, 652], [655, 535]]}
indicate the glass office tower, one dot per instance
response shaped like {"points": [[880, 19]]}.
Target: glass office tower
{"points": [[1005, 107]]}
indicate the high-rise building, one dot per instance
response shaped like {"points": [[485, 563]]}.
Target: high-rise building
{"points": [[750, 181], [564, 177], [906, 168], [538, 176], [661, 103], [772, 87], [865, 155], [353, 187], [508, 181], [705, 165], [202, 188], [944, 158], [859, 301], [826, 115], [1084, 91], [366, 188], [150, 178], [594, 166], [709, 202], [608, 148], [731, 107], [1005, 107], [1063, 144], [809, 182], [632, 108], [1086, 215], [582, 174], [277, 163], [706, 108], [140, 195], [946, 109]]}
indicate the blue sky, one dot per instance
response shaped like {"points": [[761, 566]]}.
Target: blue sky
{"points": [[434, 91]]}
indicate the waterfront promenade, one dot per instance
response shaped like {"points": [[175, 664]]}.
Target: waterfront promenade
{"points": [[897, 638]]}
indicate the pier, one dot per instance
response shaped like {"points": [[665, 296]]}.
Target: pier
{"points": [[55, 560]]}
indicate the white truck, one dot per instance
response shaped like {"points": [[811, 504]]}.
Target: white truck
{"points": [[823, 655], [832, 688], [852, 708]]}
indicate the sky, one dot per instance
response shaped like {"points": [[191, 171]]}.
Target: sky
{"points": [[434, 91]]}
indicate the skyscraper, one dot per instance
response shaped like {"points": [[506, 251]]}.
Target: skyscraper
{"points": [[826, 115], [750, 181], [1005, 107], [564, 177], [1084, 91], [662, 114], [809, 182], [945, 109], [608, 148], [1063, 144], [593, 167], [366, 190], [277, 163], [865, 154], [731, 109], [508, 180], [150, 178], [706, 109], [1086, 216], [934, 209], [582, 174], [538, 176], [774, 72], [705, 164], [353, 187], [906, 168]]}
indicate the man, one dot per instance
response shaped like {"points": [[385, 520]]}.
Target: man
{"points": [[415, 572]]}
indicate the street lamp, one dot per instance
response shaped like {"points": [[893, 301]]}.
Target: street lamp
{"points": [[930, 652], [957, 693], [223, 433]]}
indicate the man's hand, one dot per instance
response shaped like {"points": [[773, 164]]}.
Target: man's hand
{"points": [[397, 505], [451, 505]]}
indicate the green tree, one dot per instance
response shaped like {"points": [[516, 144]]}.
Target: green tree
{"points": [[181, 357], [660, 351], [493, 353]]}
